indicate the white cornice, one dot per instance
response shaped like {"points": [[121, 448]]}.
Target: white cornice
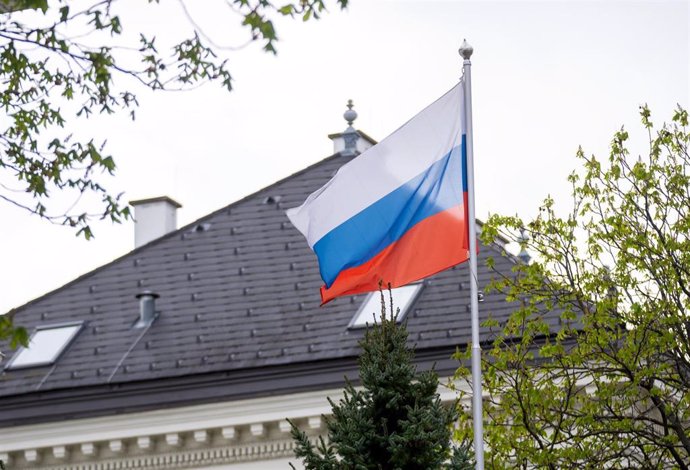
{"points": [[185, 459], [242, 430], [166, 421]]}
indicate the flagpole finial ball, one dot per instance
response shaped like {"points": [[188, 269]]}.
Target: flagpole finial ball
{"points": [[350, 115], [466, 50]]}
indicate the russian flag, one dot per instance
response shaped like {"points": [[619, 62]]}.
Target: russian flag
{"points": [[398, 212]]}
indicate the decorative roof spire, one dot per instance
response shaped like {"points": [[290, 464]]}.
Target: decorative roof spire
{"points": [[350, 142], [350, 115], [522, 240], [350, 135]]}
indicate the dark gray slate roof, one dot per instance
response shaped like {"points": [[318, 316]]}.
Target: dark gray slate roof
{"points": [[239, 296]]}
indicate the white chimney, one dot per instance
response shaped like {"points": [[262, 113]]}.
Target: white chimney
{"points": [[351, 142], [153, 218]]}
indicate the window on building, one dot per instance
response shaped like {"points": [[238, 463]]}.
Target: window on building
{"points": [[370, 311], [45, 345]]}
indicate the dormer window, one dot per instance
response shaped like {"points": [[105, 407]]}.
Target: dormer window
{"points": [[46, 344], [370, 311]]}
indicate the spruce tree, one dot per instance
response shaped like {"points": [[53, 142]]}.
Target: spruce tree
{"points": [[395, 421]]}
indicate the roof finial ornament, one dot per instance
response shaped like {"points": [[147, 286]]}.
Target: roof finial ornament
{"points": [[350, 142], [523, 239], [350, 115]]}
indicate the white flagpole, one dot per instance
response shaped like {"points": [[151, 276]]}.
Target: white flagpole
{"points": [[477, 415]]}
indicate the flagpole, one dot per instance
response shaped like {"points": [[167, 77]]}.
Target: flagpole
{"points": [[477, 415]]}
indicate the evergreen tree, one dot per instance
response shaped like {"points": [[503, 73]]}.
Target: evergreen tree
{"points": [[396, 421]]}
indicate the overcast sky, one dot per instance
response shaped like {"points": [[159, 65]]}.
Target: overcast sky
{"points": [[548, 76]]}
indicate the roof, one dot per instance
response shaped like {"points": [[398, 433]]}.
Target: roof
{"points": [[239, 301]]}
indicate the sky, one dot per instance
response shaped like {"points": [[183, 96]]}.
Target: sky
{"points": [[547, 77]]}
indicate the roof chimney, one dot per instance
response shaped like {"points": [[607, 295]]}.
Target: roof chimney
{"points": [[351, 142], [153, 218]]}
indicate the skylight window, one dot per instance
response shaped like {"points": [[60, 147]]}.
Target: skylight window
{"points": [[403, 298], [45, 345]]}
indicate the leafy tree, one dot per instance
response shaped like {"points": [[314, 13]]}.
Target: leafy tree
{"points": [[396, 421], [16, 335], [608, 387], [66, 61]]}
